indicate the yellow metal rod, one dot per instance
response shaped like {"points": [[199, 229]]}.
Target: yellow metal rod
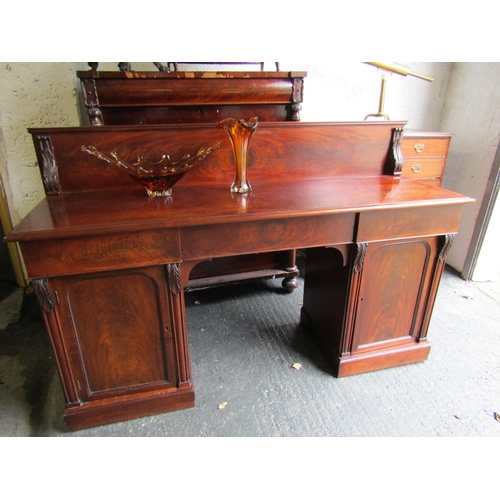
{"points": [[400, 70]]}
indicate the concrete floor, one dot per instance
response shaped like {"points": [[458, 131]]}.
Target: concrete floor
{"points": [[244, 340]]}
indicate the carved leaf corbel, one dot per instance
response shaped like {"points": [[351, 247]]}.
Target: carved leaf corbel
{"points": [[359, 260], [41, 289], [174, 278], [448, 242], [50, 174]]}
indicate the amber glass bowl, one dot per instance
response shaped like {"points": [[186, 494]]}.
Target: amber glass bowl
{"points": [[157, 177]]}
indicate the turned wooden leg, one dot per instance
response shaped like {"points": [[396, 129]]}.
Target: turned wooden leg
{"points": [[290, 283]]}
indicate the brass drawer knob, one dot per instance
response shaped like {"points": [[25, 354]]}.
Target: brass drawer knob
{"points": [[419, 147], [416, 168]]}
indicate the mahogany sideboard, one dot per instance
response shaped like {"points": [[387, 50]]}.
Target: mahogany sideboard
{"points": [[160, 97], [109, 265]]}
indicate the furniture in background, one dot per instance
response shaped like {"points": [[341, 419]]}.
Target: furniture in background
{"points": [[424, 155], [161, 97], [148, 97]]}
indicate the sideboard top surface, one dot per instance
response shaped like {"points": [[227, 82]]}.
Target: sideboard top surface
{"points": [[101, 212], [295, 169]]}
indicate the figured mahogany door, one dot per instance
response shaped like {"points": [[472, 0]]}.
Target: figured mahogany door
{"points": [[393, 292], [118, 331]]}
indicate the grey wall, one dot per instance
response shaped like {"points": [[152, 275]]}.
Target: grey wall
{"points": [[472, 113]]}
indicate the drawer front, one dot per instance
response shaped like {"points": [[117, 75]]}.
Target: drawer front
{"points": [[220, 240], [415, 168], [408, 222], [105, 252], [421, 146]]}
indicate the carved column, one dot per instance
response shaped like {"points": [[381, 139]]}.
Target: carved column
{"points": [[91, 100], [47, 304], [446, 243], [360, 250], [179, 324], [296, 100]]}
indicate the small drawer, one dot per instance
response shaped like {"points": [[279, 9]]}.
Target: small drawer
{"points": [[416, 146], [415, 168]]}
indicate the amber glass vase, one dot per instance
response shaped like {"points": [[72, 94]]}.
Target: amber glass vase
{"points": [[240, 133]]}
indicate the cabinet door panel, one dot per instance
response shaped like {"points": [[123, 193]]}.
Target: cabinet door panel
{"points": [[391, 293], [122, 334]]}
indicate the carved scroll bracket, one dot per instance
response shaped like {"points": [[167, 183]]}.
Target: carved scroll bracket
{"points": [[50, 174], [395, 157]]}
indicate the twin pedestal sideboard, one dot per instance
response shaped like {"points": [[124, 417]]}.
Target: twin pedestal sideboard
{"points": [[110, 265]]}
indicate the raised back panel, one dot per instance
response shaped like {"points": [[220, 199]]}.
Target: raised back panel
{"points": [[278, 151]]}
